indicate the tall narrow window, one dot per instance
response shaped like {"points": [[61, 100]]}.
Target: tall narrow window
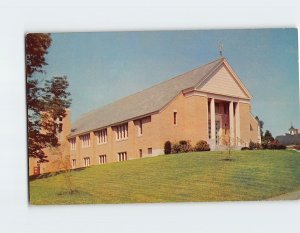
{"points": [[141, 153], [122, 131], [85, 140], [73, 143], [73, 163], [251, 128], [175, 118], [101, 136], [140, 127]]}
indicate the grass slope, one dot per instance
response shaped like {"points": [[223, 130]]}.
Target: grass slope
{"points": [[204, 176]]}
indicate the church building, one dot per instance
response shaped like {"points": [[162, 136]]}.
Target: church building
{"points": [[207, 103]]}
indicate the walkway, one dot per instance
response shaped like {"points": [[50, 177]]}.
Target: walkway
{"points": [[287, 196]]}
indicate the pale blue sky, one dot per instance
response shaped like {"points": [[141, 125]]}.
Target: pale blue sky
{"points": [[106, 66]]}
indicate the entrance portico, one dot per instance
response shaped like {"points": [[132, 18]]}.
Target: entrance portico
{"points": [[223, 122]]}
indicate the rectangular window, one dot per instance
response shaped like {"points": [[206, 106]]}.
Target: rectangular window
{"points": [[149, 151], [102, 159], [87, 161], [251, 128], [122, 131], [101, 136], [73, 163], [140, 126], [175, 118], [122, 156], [141, 153], [73, 143], [85, 140]]}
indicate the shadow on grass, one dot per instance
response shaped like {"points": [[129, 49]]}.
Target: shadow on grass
{"points": [[227, 159], [51, 174], [74, 192]]}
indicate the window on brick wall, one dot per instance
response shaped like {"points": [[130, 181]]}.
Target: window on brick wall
{"points": [[102, 159], [251, 128], [73, 163], [140, 127], [122, 156], [85, 140], [122, 131], [149, 151], [73, 143], [141, 153], [101, 136], [86, 161], [175, 118]]}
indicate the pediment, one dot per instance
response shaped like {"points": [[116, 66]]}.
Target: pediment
{"points": [[224, 82]]}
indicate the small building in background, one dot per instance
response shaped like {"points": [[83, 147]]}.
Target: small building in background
{"points": [[290, 138]]}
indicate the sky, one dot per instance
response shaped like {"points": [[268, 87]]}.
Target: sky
{"points": [[105, 66]]}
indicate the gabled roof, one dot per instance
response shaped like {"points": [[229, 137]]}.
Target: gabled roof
{"points": [[144, 102]]}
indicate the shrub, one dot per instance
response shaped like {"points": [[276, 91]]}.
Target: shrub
{"points": [[280, 147], [264, 145], [175, 148], [254, 146], [201, 146], [274, 145], [185, 146], [245, 148], [182, 146], [168, 147]]}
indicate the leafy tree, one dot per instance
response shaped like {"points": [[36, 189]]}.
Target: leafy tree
{"points": [[261, 125], [46, 100], [268, 137]]}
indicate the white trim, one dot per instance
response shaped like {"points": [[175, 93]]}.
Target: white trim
{"points": [[237, 124], [212, 123], [231, 123], [217, 96]]}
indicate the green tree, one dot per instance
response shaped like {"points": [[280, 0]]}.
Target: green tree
{"points": [[268, 137], [261, 125], [46, 100]]}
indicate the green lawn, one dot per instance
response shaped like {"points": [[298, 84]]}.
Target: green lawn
{"points": [[204, 176]]}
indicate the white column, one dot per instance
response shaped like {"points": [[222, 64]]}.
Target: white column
{"points": [[237, 124], [213, 123], [231, 123]]}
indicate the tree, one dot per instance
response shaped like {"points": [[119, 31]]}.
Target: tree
{"points": [[261, 125], [62, 164], [46, 100], [268, 137]]}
